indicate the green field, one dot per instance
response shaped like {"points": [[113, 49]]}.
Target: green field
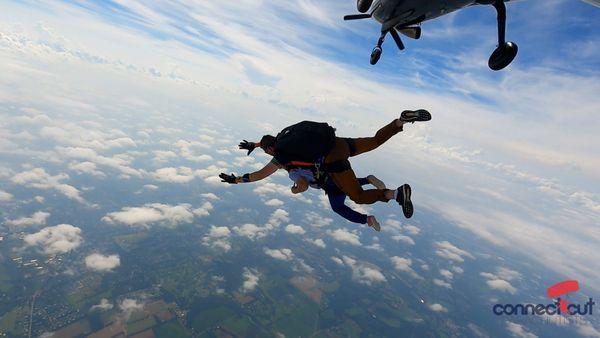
{"points": [[9, 320], [140, 325], [170, 329], [210, 318], [237, 324]]}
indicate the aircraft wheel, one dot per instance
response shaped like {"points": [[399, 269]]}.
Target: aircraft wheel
{"points": [[363, 5], [503, 56], [375, 55]]}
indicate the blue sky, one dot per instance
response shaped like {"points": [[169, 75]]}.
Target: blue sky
{"points": [[511, 156]]}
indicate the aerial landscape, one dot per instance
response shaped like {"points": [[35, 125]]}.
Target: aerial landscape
{"points": [[117, 117]]}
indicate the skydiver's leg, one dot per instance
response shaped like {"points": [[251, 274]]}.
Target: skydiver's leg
{"points": [[347, 182], [377, 183], [337, 202], [363, 181], [364, 144]]}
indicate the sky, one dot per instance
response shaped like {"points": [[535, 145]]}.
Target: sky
{"points": [[512, 156]]}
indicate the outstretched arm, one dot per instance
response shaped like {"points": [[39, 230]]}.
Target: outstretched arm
{"points": [[265, 172], [246, 145]]}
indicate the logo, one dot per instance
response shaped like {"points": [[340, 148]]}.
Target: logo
{"points": [[558, 307]]}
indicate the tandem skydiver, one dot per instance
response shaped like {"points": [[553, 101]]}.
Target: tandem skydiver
{"points": [[304, 178], [314, 144]]}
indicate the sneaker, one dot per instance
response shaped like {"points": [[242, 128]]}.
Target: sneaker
{"points": [[415, 115], [377, 183], [372, 222], [403, 199]]}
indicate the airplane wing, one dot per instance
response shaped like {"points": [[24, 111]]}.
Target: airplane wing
{"points": [[593, 2]]}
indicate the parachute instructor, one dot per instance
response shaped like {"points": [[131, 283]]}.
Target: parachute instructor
{"points": [[314, 145]]}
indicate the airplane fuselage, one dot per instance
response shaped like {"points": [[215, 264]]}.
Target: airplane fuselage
{"points": [[391, 13]]}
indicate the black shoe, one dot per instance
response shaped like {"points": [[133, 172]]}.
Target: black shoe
{"points": [[415, 115], [403, 199]]}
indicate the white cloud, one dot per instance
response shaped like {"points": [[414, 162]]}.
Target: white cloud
{"points": [[507, 274], [411, 229], [274, 202], [318, 242], [501, 285], [174, 175], [513, 100], [118, 162], [500, 280], [447, 250], [210, 196], [393, 223], [128, 306], [100, 262], [152, 213], [280, 254], [251, 278], [162, 156], [294, 229], [218, 232], [104, 305], [518, 330], [277, 217], [375, 246], [218, 238], [344, 235], [317, 220], [86, 168], [458, 269], [38, 218], [442, 283], [337, 260], [403, 238], [362, 272], [404, 264], [269, 188], [251, 231], [5, 197], [187, 150], [57, 239], [203, 210], [437, 308], [446, 273], [586, 329], [38, 178]]}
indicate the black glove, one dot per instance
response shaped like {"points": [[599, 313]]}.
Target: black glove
{"points": [[247, 146], [231, 179]]}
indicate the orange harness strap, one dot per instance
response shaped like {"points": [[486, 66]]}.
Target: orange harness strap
{"points": [[301, 164]]}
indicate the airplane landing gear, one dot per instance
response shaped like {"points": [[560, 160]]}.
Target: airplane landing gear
{"points": [[376, 53], [363, 5], [505, 53]]}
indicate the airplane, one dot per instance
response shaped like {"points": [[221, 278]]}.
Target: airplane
{"points": [[406, 16]]}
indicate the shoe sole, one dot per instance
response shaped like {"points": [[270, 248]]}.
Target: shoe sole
{"points": [[377, 183], [407, 206], [415, 115]]}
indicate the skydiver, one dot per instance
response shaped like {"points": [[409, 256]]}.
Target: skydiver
{"points": [[335, 160], [304, 178]]}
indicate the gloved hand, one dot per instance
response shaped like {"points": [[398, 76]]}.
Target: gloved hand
{"points": [[247, 146], [231, 179]]}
